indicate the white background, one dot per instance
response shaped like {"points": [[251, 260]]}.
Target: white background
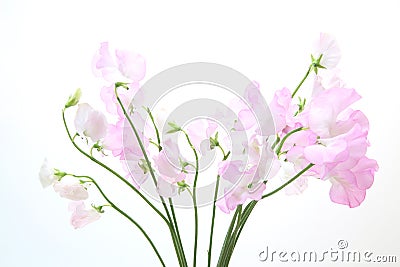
{"points": [[45, 53]]}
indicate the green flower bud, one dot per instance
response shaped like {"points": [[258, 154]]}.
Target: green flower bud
{"points": [[74, 99]]}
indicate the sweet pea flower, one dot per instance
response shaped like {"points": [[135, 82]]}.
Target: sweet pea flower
{"points": [[324, 110], [119, 66], [165, 188], [168, 171], [81, 216], [247, 184], [46, 175], [287, 172], [327, 46], [247, 188], [200, 132], [349, 186], [71, 190], [283, 109], [327, 80], [90, 122]]}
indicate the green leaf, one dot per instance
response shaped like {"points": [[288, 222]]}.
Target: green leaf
{"points": [[174, 127]]}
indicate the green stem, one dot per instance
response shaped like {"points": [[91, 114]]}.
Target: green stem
{"points": [[302, 81], [232, 240], [226, 241], [309, 166], [196, 219], [173, 233], [278, 150], [213, 221], [179, 240], [111, 170], [115, 207], [156, 129]]}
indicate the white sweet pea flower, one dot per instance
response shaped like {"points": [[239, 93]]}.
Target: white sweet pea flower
{"points": [[48, 175], [327, 46], [72, 190], [286, 172], [90, 122]]}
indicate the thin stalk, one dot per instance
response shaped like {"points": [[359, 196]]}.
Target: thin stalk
{"points": [[179, 240], [278, 150], [302, 81], [309, 166], [194, 197], [115, 207], [226, 241], [213, 221], [232, 241]]}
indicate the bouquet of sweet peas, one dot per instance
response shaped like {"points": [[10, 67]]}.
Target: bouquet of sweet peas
{"points": [[168, 157]]}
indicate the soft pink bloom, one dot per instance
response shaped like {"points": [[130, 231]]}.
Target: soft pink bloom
{"points": [[200, 131], [135, 170], [168, 171], [282, 109], [119, 65], [323, 111], [349, 186], [82, 216], [113, 140], [246, 189], [247, 184], [165, 188], [109, 98], [90, 122], [328, 47], [70, 190], [326, 80]]}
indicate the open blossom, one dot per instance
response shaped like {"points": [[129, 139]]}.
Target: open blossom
{"points": [[119, 65], [46, 175], [286, 172], [71, 190], [82, 216], [349, 185], [326, 80], [246, 184], [283, 109], [90, 122], [327, 46]]}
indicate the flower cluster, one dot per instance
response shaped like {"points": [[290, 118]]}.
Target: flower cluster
{"points": [[326, 132], [319, 136]]}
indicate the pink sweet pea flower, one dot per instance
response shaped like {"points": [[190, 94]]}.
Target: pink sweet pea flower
{"points": [[165, 188], [323, 111], [247, 185], [327, 46], [119, 66], [82, 216], [246, 189], [349, 186], [283, 109], [90, 122], [70, 190], [326, 80], [200, 132], [167, 170]]}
